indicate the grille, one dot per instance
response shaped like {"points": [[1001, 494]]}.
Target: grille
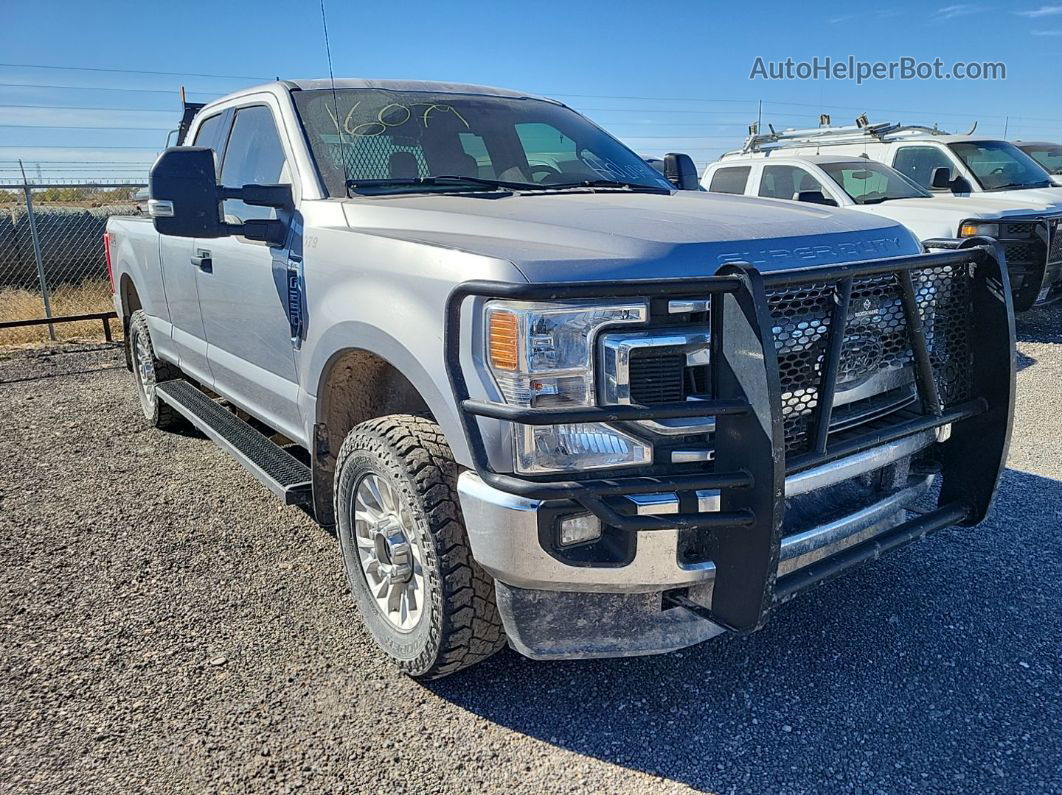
{"points": [[1019, 229], [1055, 253], [876, 339], [1019, 252], [656, 376]]}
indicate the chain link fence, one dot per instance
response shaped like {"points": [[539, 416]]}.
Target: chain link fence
{"points": [[52, 263]]}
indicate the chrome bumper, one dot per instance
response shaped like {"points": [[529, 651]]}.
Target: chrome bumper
{"points": [[503, 531]]}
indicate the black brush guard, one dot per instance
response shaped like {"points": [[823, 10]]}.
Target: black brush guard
{"points": [[750, 466]]}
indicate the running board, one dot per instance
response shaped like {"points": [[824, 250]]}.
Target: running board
{"points": [[277, 469]]}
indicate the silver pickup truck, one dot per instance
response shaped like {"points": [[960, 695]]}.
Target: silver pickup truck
{"points": [[545, 394]]}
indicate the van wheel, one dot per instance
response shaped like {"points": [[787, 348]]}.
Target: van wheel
{"points": [[149, 371], [426, 601]]}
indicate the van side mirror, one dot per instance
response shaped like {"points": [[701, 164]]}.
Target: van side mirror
{"points": [[681, 172], [941, 178], [815, 197], [186, 199]]}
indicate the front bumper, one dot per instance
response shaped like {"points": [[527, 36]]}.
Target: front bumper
{"points": [[715, 552]]}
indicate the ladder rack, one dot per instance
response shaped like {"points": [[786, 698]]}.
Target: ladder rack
{"points": [[833, 136]]}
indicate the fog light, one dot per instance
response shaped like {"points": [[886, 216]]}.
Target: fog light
{"points": [[944, 432], [579, 529]]}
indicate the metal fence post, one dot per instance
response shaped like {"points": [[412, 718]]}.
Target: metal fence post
{"points": [[37, 252]]}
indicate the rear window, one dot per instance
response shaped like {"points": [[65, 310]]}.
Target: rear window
{"points": [[730, 180]]}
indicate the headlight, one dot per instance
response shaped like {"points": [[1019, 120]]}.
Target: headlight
{"points": [[974, 229], [541, 355]]}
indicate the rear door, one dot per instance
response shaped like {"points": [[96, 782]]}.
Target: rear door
{"points": [[242, 284], [179, 275]]}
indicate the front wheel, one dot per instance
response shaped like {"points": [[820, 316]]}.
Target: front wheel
{"points": [[426, 601]]}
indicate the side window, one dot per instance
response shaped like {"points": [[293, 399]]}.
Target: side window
{"points": [[730, 180], [918, 162], [254, 155], [209, 134], [785, 182]]}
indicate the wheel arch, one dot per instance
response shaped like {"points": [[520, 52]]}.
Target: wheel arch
{"points": [[357, 384]]}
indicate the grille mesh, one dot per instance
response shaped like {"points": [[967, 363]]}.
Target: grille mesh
{"points": [[1019, 252], [876, 339], [1019, 229], [656, 376], [1056, 243]]}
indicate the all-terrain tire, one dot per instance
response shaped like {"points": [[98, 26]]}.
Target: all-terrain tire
{"points": [[459, 623], [149, 370]]}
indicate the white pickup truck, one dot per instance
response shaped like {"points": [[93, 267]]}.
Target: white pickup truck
{"points": [[951, 167], [867, 186], [1047, 153]]}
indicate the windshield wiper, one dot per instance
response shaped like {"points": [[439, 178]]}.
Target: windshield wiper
{"points": [[1010, 185], [460, 181], [609, 183], [440, 180]]}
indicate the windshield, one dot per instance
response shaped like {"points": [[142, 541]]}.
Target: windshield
{"points": [[384, 141], [873, 183], [1047, 155], [998, 165]]}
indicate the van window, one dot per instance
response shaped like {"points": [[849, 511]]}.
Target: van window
{"points": [[730, 180], [785, 182], [918, 162], [254, 156]]}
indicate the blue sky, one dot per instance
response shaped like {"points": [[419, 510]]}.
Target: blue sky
{"points": [[665, 76]]}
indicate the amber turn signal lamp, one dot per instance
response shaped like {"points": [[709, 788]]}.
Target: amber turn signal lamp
{"points": [[502, 341]]}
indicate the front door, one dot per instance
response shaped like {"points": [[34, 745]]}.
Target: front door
{"points": [[242, 285]]}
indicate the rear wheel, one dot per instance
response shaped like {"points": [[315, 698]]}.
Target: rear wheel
{"points": [[426, 601], [149, 371]]}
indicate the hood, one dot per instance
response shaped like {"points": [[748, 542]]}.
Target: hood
{"points": [[979, 205], [941, 216], [575, 236], [1050, 199]]}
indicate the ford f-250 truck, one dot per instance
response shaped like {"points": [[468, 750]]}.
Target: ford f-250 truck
{"points": [[543, 393]]}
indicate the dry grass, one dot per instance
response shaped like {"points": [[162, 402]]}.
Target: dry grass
{"points": [[92, 295]]}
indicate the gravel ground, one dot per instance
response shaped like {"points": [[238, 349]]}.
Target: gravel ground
{"points": [[168, 626]]}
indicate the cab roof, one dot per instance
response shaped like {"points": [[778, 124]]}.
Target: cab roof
{"points": [[426, 86]]}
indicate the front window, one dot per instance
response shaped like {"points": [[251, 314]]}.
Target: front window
{"points": [[873, 183], [377, 140], [1047, 155], [999, 165]]}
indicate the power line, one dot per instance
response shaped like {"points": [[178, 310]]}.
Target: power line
{"points": [[126, 71], [169, 91], [66, 146], [79, 127], [83, 107]]}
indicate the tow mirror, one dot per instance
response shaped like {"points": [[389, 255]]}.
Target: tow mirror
{"points": [[186, 199], [815, 197], [941, 178], [681, 172]]}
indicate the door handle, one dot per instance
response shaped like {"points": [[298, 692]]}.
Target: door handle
{"points": [[203, 261]]}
